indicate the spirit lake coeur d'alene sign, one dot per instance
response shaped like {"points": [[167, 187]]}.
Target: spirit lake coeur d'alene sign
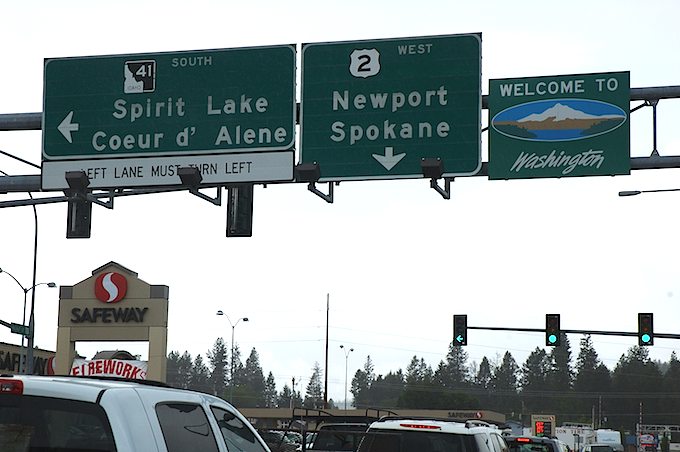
{"points": [[133, 120], [569, 125]]}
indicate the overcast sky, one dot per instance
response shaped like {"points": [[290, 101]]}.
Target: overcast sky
{"points": [[395, 258]]}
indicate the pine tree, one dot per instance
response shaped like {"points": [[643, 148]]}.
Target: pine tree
{"points": [[532, 382], [483, 382], [270, 391], [200, 376], [635, 373], [218, 368], [586, 363], [283, 399], [592, 379], [559, 377], [454, 373], [361, 385], [251, 386], [172, 369], [504, 384], [671, 385], [184, 366], [484, 375], [385, 391], [419, 391], [314, 392]]}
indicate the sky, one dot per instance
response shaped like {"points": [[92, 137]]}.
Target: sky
{"points": [[394, 259]]}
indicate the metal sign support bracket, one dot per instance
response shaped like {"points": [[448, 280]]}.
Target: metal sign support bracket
{"points": [[326, 197], [446, 191], [217, 200]]}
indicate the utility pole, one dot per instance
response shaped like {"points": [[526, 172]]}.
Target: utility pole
{"points": [[325, 384]]}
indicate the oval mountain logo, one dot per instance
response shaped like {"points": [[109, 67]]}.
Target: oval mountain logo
{"points": [[559, 120]]}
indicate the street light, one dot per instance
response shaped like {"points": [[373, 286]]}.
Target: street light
{"points": [[639, 192], [26, 368], [347, 352], [233, 327]]}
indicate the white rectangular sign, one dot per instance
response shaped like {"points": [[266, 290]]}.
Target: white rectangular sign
{"points": [[156, 171]]}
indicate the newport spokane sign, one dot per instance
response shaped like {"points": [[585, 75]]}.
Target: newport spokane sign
{"points": [[133, 120], [375, 109], [569, 125]]}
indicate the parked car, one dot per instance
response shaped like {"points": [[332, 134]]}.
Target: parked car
{"points": [[337, 437], [535, 444], [431, 435], [278, 441], [599, 447], [60, 414]]}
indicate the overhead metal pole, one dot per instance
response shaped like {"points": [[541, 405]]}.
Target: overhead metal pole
{"points": [[33, 121]]}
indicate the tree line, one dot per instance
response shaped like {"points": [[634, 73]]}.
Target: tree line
{"points": [[545, 383]]}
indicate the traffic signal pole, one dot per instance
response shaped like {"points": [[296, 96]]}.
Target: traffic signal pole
{"points": [[592, 332]]}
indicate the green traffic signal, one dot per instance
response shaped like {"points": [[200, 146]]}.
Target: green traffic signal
{"points": [[460, 330], [645, 329], [552, 330]]}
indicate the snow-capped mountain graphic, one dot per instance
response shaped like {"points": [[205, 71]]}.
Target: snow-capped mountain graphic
{"points": [[560, 112], [559, 119]]}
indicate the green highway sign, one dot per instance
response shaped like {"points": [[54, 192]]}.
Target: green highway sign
{"points": [[375, 109], [166, 105], [17, 328], [569, 125]]}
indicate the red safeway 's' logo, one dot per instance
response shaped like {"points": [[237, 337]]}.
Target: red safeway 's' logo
{"points": [[110, 287]]}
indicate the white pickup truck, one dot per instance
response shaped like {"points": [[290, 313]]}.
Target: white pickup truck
{"points": [[59, 414]]}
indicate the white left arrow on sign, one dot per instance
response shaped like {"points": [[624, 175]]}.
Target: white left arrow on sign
{"points": [[389, 159], [67, 126]]}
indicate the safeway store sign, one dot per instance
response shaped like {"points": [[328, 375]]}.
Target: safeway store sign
{"points": [[570, 125], [133, 120]]}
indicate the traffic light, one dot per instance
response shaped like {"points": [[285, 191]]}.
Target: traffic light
{"points": [[79, 218], [79, 213], [552, 330], [645, 329], [240, 211], [459, 330]]}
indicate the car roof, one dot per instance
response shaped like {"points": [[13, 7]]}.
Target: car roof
{"points": [[86, 389], [432, 425], [533, 439], [343, 426]]}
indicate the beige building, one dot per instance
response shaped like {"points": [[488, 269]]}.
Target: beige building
{"points": [[11, 357]]}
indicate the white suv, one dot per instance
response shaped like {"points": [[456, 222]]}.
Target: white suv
{"points": [[60, 414], [431, 435]]}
